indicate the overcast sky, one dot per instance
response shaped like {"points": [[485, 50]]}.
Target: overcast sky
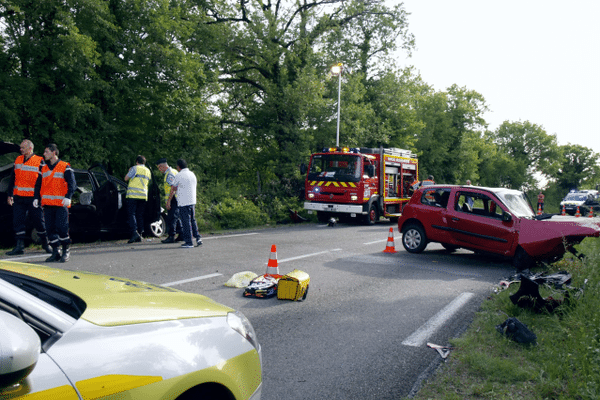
{"points": [[532, 60]]}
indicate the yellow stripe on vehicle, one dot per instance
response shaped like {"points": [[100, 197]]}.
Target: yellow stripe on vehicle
{"points": [[336, 184], [106, 385]]}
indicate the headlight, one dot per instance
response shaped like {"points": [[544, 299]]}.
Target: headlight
{"points": [[311, 195], [353, 197], [239, 323]]}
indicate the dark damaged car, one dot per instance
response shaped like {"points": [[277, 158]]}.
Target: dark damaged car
{"points": [[98, 206], [490, 220]]}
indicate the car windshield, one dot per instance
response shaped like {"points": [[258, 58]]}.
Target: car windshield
{"points": [[335, 167], [517, 203], [576, 197]]}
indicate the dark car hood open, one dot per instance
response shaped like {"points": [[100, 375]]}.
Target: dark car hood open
{"points": [[6, 147]]}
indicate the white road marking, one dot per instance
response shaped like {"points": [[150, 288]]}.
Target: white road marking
{"points": [[377, 241], [228, 236], [27, 257], [307, 255], [420, 336], [198, 278]]}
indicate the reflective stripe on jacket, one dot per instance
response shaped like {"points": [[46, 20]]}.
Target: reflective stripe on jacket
{"points": [[138, 185], [54, 186], [169, 176], [26, 174]]}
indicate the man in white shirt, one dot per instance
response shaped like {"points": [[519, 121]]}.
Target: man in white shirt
{"points": [[185, 184]]}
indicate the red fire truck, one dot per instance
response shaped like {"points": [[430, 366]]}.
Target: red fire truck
{"points": [[361, 182]]}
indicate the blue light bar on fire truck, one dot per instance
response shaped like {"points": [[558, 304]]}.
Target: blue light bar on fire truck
{"points": [[340, 149]]}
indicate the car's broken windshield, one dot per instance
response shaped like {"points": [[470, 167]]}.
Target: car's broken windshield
{"points": [[517, 203]]}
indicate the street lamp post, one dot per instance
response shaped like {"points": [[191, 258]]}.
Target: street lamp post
{"points": [[337, 70]]}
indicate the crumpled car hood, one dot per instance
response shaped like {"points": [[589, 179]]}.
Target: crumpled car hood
{"points": [[552, 236]]}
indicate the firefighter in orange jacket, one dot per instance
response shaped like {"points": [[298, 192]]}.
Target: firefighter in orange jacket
{"points": [[58, 185], [21, 196]]}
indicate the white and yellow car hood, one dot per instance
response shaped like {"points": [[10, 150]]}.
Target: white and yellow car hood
{"points": [[137, 340]]}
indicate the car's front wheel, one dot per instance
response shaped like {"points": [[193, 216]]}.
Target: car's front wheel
{"points": [[414, 239], [157, 228]]}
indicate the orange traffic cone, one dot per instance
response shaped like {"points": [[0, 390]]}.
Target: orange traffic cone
{"points": [[390, 247], [272, 266], [591, 212], [563, 211], [539, 209], [578, 214]]}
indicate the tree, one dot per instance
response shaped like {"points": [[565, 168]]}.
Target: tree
{"points": [[449, 118], [531, 149], [578, 168], [273, 57]]}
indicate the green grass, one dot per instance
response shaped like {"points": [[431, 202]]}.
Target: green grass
{"points": [[565, 362]]}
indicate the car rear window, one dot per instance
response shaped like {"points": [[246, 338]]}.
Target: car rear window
{"points": [[436, 197]]}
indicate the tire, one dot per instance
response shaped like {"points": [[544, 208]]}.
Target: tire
{"points": [[522, 260], [157, 228], [372, 216], [449, 247], [414, 239], [322, 216]]}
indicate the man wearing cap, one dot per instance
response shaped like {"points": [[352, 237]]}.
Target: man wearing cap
{"points": [[138, 178], [21, 196], [173, 214]]}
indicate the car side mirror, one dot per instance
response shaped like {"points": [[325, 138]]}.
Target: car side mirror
{"points": [[303, 169], [20, 349], [506, 217], [370, 170]]}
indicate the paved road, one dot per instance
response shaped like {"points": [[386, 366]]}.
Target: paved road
{"points": [[363, 329]]}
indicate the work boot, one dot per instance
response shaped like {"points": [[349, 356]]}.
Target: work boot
{"points": [[66, 253], [18, 248], [45, 244], [135, 238], [55, 255], [170, 239]]}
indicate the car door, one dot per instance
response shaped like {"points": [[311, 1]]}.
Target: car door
{"points": [[106, 197], [83, 214], [476, 222], [433, 208]]}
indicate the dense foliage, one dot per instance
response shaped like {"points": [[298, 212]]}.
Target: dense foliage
{"points": [[242, 90]]}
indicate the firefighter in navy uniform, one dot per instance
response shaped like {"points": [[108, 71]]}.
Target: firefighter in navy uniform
{"points": [[58, 186], [22, 189], [173, 220], [138, 179]]}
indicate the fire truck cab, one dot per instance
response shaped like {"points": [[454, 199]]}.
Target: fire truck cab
{"points": [[361, 183]]}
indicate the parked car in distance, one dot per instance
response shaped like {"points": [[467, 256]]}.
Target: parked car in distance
{"points": [[98, 206], [586, 200], [493, 220], [68, 334]]}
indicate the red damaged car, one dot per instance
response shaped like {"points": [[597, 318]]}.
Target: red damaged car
{"points": [[492, 220]]}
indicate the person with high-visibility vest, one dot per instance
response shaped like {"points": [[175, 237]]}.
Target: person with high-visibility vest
{"points": [[58, 186], [541, 201], [173, 221], [21, 196], [138, 178]]}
